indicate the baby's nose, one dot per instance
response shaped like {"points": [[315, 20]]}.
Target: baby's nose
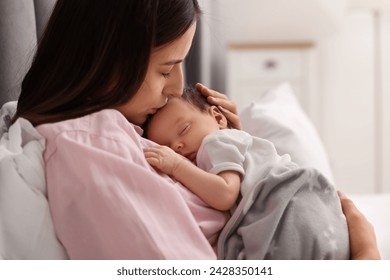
{"points": [[178, 148]]}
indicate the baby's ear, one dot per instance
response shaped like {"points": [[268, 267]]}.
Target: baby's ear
{"points": [[218, 116]]}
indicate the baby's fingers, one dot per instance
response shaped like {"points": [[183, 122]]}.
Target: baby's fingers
{"points": [[151, 153]]}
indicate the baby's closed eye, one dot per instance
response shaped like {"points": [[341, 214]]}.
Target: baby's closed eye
{"points": [[184, 129]]}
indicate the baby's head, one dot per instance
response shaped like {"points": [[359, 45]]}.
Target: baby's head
{"points": [[184, 121]]}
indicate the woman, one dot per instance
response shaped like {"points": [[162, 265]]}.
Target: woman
{"points": [[101, 68]]}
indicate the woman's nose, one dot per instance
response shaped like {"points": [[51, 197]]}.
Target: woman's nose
{"points": [[175, 86]]}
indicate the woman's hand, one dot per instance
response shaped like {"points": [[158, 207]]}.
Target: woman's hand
{"points": [[228, 108], [362, 237]]}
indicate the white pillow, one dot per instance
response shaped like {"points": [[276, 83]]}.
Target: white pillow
{"points": [[278, 117], [26, 227]]}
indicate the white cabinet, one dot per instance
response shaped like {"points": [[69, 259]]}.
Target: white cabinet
{"points": [[253, 69]]}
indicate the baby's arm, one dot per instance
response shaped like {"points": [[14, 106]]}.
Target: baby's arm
{"points": [[219, 191]]}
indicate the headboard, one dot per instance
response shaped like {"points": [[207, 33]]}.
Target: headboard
{"points": [[21, 25]]}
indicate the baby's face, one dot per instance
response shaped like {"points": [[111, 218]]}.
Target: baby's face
{"points": [[182, 127]]}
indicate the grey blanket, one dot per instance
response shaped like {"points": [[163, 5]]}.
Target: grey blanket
{"points": [[290, 214]]}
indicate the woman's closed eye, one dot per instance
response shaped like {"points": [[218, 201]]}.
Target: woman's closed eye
{"points": [[166, 75]]}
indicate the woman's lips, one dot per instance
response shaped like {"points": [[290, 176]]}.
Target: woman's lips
{"points": [[155, 110]]}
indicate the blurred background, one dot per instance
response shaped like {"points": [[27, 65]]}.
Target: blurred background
{"points": [[336, 56]]}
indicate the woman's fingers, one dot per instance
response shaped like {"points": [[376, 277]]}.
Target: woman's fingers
{"points": [[361, 233], [234, 119], [228, 108]]}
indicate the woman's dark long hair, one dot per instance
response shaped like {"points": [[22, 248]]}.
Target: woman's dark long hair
{"points": [[94, 54]]}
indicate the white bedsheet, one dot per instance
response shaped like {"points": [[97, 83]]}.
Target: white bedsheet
{"points": [[376, 207]]}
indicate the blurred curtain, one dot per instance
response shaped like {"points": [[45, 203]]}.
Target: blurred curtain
{"points": [[193, 73], [21, 24]]}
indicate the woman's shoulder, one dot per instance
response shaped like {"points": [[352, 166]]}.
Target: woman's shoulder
{"points": [[104, 130], [106, 123]]}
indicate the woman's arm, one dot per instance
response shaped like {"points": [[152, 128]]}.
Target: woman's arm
{"points": [[228, 108], [219, 191], [361, 233]]}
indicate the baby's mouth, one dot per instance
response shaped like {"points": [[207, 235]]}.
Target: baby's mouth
{"points": [[191, 156]]}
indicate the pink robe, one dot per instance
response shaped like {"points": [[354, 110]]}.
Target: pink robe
{"points": [[107, 202]]}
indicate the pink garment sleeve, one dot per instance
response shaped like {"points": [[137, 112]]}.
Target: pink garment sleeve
{"points": [[113, 205]]}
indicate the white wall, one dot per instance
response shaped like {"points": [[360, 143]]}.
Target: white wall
{"points": [[356, 128], [346, 62]]}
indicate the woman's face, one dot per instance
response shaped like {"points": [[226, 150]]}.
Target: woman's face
{"points": [[164, 78]]}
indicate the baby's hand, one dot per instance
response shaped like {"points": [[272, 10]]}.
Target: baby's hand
{"points": [[163, 158]]}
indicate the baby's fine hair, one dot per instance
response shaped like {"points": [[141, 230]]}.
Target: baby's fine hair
{"points": [[198, 100], [195, 98]]}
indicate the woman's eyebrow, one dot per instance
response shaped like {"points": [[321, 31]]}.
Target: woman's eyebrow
{"points": [[173, 62]]}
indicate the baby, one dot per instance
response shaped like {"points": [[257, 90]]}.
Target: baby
{"points": [[279, 210]]}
